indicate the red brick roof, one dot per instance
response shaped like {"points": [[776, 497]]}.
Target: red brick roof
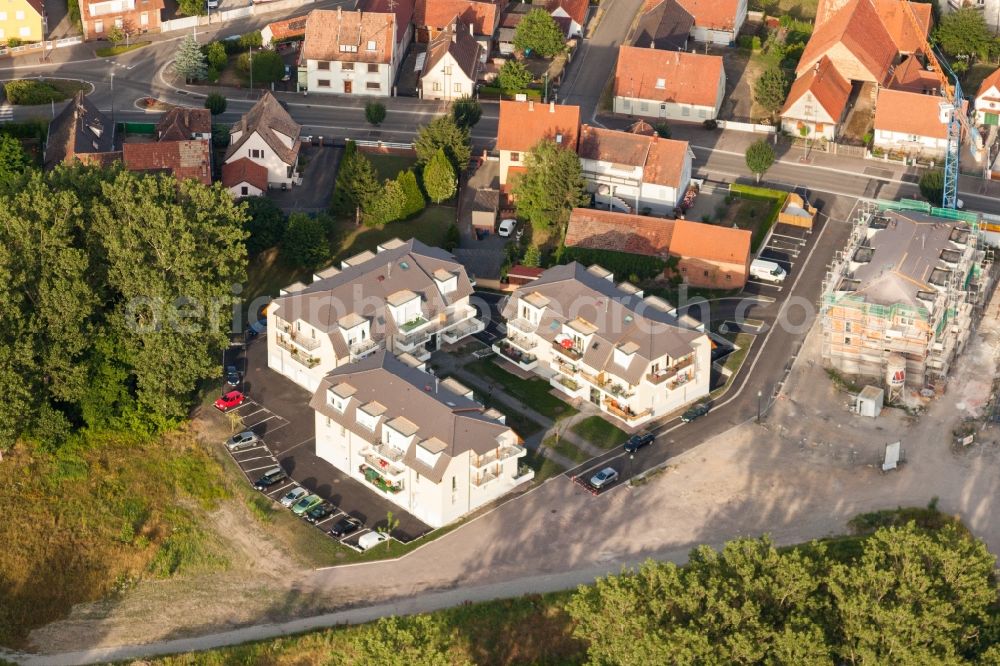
{"points": [[292, 27], [712, 14], [910, 113], [899, 26], [710, 242], [327, 31], [826, 84], [576, 9], [990, 81], [687, 78], [910, 75], [665, 162], [403, 9], [523, 124], [859, 29], [244, 170], [484, 16], [180, 123], [619, 232], [183, 159]]}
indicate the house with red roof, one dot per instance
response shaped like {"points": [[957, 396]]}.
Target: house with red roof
{"points": [[434, 16], [523, 125], [244, 178], [634, 172], [668, 85], [987, 102], [98, 17], [573, 10], [716, 21], [817, 103], [911, 123]]}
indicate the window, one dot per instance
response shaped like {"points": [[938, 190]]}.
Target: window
{"points": [[144, 18], [661, 84], [348, 48], [3, 16], [847, 327], [728, 276], [373, 68], [454, 484], [706, 273], [322, 64], [515, 157], [702, 113], [25, 31], [323, 83], [643, 106], [119, 23], [458, 87], [244, 190], [98, 26], [373, 85], [329, 422], [371, 45], [847, 340], [347, 66], [447, 70], [259, 154], [19, 15], [685, 110], [437, 86]]}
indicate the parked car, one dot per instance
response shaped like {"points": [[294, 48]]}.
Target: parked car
{"points": [[506, 227], [604, 477], [695, 412], [346, 525], [259, 327], [270, 477], [636, 442], [293, 496], [242, 440], [305, 504], [232, 375], [231, 400], [372, 539], [318, 513]]}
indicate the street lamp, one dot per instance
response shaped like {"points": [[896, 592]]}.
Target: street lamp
{"points": [[759, 395], [631, 464]]}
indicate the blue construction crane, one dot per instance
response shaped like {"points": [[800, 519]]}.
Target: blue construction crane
{"points": [[956, 121]]}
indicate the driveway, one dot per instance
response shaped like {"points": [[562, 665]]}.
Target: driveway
{"points": [[313, 195], [280, 414]]}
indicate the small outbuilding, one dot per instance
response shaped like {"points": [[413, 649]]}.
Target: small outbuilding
{"points": [[870, 401], [797, 212], [484, 209]]}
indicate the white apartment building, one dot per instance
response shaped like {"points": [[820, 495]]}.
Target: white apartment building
{"points": [[425, 445], [634, 173], [349, 53], [407, 297], [598, 341]]}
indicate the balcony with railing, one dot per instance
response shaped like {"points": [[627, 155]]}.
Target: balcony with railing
{"points": [[298, 355], [386, 469], [570, 352], [375, 477], [498, 455], [410, 342], [463, 329], [663, 375], [562, 366], [521, 359], [624, 412], [522, 325], [608, 385], [386, 452], [521, 341], [480, 479], [364, 348]]}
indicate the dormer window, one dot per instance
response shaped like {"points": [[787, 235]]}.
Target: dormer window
{"points": [[625, 353], [367, 415], [446, 282], [348, 48], [371, 45], [339, 395], [661, 84]]}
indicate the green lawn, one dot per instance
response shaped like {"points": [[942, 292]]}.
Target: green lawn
{"points": [[566, 448], [389, 166], [533, 392], [599, 432], [108, 51], [544, 467]]}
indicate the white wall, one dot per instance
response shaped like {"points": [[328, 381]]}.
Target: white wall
{"points": [[251, 191], [359, 77], [448, 86], [723, 37], [282, 360], [277, 171], [671, 110], [909, 143]]}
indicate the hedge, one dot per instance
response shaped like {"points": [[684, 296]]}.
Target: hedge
{"points": [[495, 92], [625, 266], [761, 194], [29, 93]]}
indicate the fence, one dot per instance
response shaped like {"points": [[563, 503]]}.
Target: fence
{"points": [[384, 147], [755, 128], [189, 22], [39, 46]]}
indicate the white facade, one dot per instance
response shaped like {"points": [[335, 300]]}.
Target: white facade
{"points": [[348, 78], [686, 112], [469, 481], [257, 150], [910, 143], [807, 112], [446, 80], [618, 184], [244, 189], [721, 37], [575, 29], [987, 106]]}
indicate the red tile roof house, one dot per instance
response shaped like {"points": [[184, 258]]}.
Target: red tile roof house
{"points": [[987, 103], [716, 21], [668, 85], [857, 42], [709, 256], [523, 125], [634, 172], [244, 178], [892, 15], [182, 159], [280, 31], [817, 103], [97, 18], [574, 10], [432, 16], [911, 123]]}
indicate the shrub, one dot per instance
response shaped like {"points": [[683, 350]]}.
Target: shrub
{"points": [[215, 103], [415, 201], [513, 76], [439, 178], [215, 54], [28, 92], [375, 113], [251, 39], [266, 225], [304, 243], [452, 238], [268, 66], [619, 263], [932, 186], [662, 130], [710, 124], [755, 43]]}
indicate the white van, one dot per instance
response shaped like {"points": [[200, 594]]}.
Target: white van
{"points": [[372, 539], [767, 270]]}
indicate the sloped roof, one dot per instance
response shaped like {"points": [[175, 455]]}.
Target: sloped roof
{"points": [[576, 9], [710, 242], [79, 129], [290, 27], [912, 76], [712, 14], [992, 80], [267, 118], [244, 170], [859, 29], [523, 125], [899, 26], [484, 16], [826, 84], [665, 162], [619, 232], [327, 31], [688, 78], [403, 9], [613, 146], [183, 159], [445, 421], [910, 113], [181, 123], [459, 42], [667, 25]]}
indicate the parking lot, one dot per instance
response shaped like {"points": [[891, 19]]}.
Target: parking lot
{"points": [[278, 411], [784, 247]]}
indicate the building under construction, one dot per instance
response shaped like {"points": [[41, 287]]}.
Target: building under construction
{"points": [[900, 301]]}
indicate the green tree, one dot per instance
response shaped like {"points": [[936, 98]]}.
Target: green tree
{"points": [[759, 157], [466, 111], [189, 63], [415, 201], [14, 162], [539, 33], [304, 244], [452, 238], [192, 7], [215, 103], [356, 184], [532, 256], [387, 207], [268, 66], [375, 113], [964, 33], [550, 187], [513, 76], [216, 56], [116, 35], [416, 641], [444, 133], [771, 88], [439, 178], [266, 224], [251, 40], [932, 186]]}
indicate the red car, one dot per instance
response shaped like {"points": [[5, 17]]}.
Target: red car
{"points": [[229, 401]]}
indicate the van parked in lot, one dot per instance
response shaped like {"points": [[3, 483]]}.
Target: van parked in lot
{"points": [[763, 269], [371, 540]]}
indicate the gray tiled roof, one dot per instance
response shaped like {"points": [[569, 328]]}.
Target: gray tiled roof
{"points": [[265, 118], [79, 129], [463, 47], [665, 26]]}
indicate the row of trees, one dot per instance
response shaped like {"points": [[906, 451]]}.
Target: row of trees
{"points": [[118, 293]]}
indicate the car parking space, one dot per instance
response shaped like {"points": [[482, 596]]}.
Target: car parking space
{"points": [[786, 246]]}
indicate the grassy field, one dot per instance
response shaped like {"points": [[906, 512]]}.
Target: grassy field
{"points": [[599, 432], [96, 515], [566, 448], [800, 9], [389, 166], [108, 51], [533, 392], [544, 467]]}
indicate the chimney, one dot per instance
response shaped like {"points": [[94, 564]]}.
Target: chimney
{"points": [[472, 31], [531, 105], [552, 107], [435, 384]]}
